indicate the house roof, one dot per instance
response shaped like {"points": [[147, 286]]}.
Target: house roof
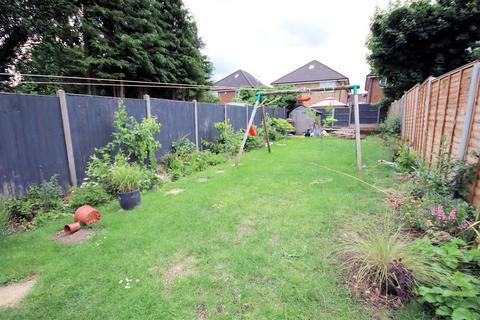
{"points": [[237, 79], [311, 72]]}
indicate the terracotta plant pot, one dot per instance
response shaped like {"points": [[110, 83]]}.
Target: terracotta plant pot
{"points": [[87, 215], [71, 228]]}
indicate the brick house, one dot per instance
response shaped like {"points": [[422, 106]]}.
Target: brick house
{"points": [[373, 87], [233, 82], [314, 75]]}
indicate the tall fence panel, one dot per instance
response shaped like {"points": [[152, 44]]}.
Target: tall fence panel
{"points": [[32, 146], [443, 114], [237, 116], [208, 114], [177, 119]]}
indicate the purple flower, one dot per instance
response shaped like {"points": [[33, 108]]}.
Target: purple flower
{"points": [[453, 215]]}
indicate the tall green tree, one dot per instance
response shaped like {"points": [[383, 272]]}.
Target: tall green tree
{"points": [[410, 41], [149, 40]]}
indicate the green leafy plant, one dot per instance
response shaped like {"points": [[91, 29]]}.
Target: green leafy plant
{"points": [[227, 141], [406, 159], [456, 296], [21, 212], [126, 177], [391, 127], [183, 159], [135, 141], [90, 193]]}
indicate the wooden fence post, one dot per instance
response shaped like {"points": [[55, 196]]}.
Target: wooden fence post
{"points": [[148, 108], [467, 126], [195, 111], [68, 137]]}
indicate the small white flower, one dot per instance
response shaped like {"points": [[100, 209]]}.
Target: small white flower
{"points": [[127, 287], [121, 281], [137, 280]]}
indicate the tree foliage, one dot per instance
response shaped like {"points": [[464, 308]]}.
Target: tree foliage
{"points": [[150, 40], [413, 40], [247, 95]]}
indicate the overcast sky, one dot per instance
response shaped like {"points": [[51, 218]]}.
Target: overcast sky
{"points": [[270, 38]]}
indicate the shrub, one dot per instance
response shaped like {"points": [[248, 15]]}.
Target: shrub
{"points": [[184, 160], [391, 127], [456, 296], [406, 159], [227, 141], [383, 256], [47, 197], [88, 193], [126, 177], [132, 140]]}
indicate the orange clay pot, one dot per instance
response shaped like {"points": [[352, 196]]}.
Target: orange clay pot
{"points": [[87, 215], [71, 228]]}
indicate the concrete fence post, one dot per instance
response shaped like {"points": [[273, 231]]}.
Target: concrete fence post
{"points": [[467, 126], [68, 137], [415, 110], [195, 111], [148, 107], [423, 147], [225, 112]]}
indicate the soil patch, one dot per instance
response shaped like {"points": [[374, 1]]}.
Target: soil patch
{"points": [[174, 191], [179, 269], [77, 237], [202, 312], [12, 295]]}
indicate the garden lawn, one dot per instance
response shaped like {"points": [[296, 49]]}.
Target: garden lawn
{"points": [[257, 242]]}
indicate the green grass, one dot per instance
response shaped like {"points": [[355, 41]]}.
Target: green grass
{"points": [[262, 237]]}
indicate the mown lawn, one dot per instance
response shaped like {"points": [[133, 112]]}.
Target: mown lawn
{"points": [[256, 242]]}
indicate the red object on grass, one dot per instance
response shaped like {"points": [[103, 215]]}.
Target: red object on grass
{"points": [[300, 99], [251, 132], [86, 214], [71, 228]]}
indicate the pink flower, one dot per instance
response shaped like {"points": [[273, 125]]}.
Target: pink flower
{"points": [[428, 223], [453, 215], [464, 225]]}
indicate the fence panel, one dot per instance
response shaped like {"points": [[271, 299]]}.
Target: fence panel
{"points": [[32, 145], [177, 120], [434, 117], [237, 115], [208, 114]]}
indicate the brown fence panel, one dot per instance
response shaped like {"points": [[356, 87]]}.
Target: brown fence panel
{"points": [[435, 116]]}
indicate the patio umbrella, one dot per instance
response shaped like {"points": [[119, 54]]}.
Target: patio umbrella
{"points": [[328, 102]]}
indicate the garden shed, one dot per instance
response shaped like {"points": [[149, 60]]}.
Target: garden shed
{"points": [[302, 119]]}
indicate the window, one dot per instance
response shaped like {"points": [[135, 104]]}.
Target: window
{"points": [[328, 84], [383, 82]]}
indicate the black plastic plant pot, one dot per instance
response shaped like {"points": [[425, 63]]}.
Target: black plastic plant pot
{"points": [[129, 200]]}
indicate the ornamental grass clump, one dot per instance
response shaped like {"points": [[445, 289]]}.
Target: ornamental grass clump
{"points": [[126, 177], [382, 257]]}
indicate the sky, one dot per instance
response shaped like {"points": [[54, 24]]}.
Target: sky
{"points": [[270, 38]]}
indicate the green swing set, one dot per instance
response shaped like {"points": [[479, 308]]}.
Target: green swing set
{"points": [[259, 104]]}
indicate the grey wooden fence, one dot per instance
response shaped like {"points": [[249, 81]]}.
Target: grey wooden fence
{"points": [[42, 136]]}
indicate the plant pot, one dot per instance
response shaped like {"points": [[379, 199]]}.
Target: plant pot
{"points": [[71, 228], [129, 200], [86, 214]]}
